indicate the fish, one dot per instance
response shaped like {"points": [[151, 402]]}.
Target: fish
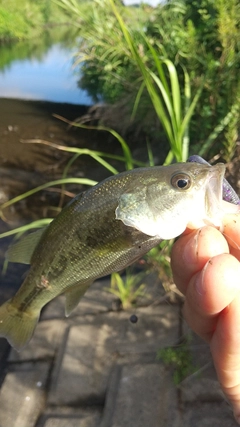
{"points": [[105, 229]]}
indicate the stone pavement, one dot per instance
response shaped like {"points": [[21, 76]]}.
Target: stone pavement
{"points": [[97, 369]]}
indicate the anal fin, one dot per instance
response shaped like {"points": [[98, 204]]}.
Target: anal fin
{"points": [[74, 294]]}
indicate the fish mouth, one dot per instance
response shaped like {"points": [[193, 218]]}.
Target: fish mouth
{"points": [[216, 207], [214, 190]]}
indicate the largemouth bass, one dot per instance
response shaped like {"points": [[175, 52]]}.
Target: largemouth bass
{"points": [[105, 229]]}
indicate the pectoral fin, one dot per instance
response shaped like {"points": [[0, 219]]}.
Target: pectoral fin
{"points": [[22, 250], [73, 296]]}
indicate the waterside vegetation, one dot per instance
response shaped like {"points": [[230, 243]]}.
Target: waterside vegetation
{"points": [[176, 67], [27, 19]]}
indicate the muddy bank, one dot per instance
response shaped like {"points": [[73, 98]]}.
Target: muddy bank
{"points": [[25, 165], [34, 119]]}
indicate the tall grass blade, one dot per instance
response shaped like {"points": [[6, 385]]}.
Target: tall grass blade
{"points": [[21, 230], [125, 148], [83, 181]]}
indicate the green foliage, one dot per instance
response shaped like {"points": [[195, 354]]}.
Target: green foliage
{"points": [[25, 19], [156, 56], [179, 359], [127, 289], [11, 24], [231, 132], [164, 92], [118, 55]]}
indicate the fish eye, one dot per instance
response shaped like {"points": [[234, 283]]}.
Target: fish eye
{"points": [[181, 181]]}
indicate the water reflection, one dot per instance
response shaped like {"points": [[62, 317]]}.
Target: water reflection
{"points": [[49, 76]]}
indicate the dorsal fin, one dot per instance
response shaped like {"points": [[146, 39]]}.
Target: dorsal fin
{"points": [[22, 250]]}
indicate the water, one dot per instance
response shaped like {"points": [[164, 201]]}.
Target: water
{"points": [[50, 76]]}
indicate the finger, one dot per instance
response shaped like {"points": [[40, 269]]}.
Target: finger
{"points": [[231, 230], [225, 348], [191, 252], [209, 292], [235, 252]]}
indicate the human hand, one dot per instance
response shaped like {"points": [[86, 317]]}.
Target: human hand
{"points": [[206, 269]]}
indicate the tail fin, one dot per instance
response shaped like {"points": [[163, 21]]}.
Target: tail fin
{"points": [[17, 326]]}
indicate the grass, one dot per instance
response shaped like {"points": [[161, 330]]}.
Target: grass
{"points": [[163, 88], [180, 359], [29, 193], [127, 289]]}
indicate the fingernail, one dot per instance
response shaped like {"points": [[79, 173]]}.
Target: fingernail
{"points": [[200, 283], [190, 252]]}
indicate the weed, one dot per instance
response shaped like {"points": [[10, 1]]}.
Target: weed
{"points": [[127, 289], [180, 359]]}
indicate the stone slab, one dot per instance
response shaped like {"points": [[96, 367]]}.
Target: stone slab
{"points": [[96, 300], [44, 343], [72, 418], [200, 388], [141, 395], [203, 385], [22, 395], [94, 343], [208, 414]]}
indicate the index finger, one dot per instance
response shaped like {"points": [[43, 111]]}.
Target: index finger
{"points": [[231, 232], [191, 252]]}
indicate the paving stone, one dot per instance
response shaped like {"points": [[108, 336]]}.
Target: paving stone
{"points": [[96, 300], [199, 388], [94, 343], [71, 422], [208, 414], [143, 396], [46, 339], [200, 350], [77, 418], [22, 395], [203, 385]]}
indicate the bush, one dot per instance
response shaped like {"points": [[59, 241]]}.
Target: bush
{"points": [[200, 36], [26, 19]]}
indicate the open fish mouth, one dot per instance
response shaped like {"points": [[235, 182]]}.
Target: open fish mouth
{"points": [[228, 193], [216, 202], [214, 190]]}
